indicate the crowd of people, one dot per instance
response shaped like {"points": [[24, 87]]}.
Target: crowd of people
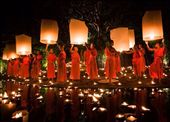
{"points": [[30, 66]]}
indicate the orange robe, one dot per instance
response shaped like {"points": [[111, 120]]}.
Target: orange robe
{"points": [[110, 65], [142, 62], [135, 62], [26, 66], [86, 59], [118, 63], [51, 65], [75, 66], [16, 67], [39, 58], [61, 73], [156, 68], [9, 68], [93, 70], [34, 72]]}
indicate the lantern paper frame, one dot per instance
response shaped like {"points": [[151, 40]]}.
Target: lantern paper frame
{"points": [[49, 31], [120, 36], [23, 44], [131, 38], [152, 28], [78, 32], [9, 52]]}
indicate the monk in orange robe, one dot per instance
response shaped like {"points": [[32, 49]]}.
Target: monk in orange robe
{"points": [[86, 59], [34, 72], [61, 73], [16, 67], [26, 67], [75, 64], [9, 68], [93, 69], [39, 58], [135, 60], [112, 65], [142, 62], [51, 64], [156, 68]]}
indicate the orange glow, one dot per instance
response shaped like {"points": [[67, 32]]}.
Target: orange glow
{"points": [[23, 45], [78, 32], [131, 38], [9, 52], [120, 36], [49, 31], [152, 26]]}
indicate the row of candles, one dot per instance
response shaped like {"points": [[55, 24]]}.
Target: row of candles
{"points": [[72, 93]]}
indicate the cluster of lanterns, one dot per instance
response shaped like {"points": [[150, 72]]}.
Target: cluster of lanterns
{"points": [[123, 37]]}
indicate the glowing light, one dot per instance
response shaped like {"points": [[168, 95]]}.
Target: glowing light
{"points": [[124, 104]]}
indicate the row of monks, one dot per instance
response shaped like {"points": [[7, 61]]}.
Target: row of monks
{"points": [[30, 66]]}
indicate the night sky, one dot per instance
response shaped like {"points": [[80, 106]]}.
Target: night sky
{"points": [[24, 16]]}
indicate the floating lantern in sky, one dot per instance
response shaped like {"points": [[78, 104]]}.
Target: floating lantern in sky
{"points": [[9, 52], [78, 32], [152, 26], [5, 54], [131, 38], [120, 36], [49, 31], [23, 45]]}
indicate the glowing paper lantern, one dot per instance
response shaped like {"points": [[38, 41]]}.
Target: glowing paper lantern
{"points": [[131, 38], [49, 31], [9, 52], [78, 32], [23, 45], [152, 26], [5, 54], [120, 36]]}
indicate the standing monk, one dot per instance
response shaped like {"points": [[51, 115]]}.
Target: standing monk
{"points": [[142, 62], [75, 64], [39, 58], [93, 70], [26, 66], [86, 59], [16, 67], [156, 68], [111, 65], [51, 57], [61, 72]]}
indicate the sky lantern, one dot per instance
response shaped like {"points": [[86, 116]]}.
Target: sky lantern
{"points": [[9, 52], [78, 32], [49, 31], [131, 38], [120, 36], [5, 54], [152, 26], [23, 45]]}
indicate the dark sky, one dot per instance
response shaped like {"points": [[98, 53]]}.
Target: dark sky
{"points": [[23, 16]]}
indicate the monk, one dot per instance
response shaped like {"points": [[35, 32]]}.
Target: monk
{"points": [[61, 72], [93, 69], [142, 61], [51, 57], [156, 68], [26, 66], [112, 62], [16, 67], [9, 68], [86, 59], [135, 60], [75, 64], [39, 59], [34, 73]]}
